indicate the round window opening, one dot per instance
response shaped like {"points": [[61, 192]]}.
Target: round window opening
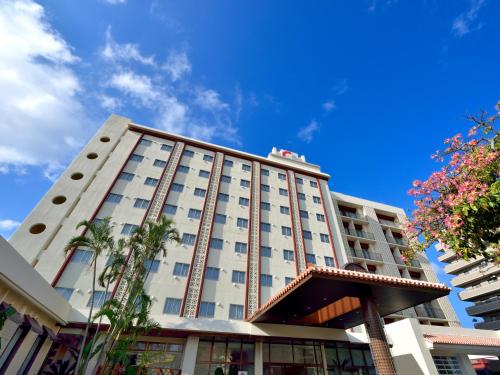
{"points": [[60, 199], [37, 228], [104, 139], [92, 156], [76, 176]]}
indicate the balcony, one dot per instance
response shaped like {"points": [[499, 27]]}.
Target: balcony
{"points": [[447, 256], [429, 311], [492, 324], [475, 275], [484, 307], [398, 241], [493, 286], [359, 233], [388, 223], [459, 265], [365, 254], [411, 263], [353, 215]]}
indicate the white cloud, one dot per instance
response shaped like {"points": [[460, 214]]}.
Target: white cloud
{"points": [[209, 99], [135, 85], [115, 2], [7, 225], [306, 134], [177, 65], [109, 103], [38, 90], [113, 51], [329, 105], [464, 23]]}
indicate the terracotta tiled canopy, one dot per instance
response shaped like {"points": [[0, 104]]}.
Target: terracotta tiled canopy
{"points": [[331, 297], [463, 340]]}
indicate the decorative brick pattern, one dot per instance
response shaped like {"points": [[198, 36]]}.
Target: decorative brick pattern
{"points": [[297, 223]]}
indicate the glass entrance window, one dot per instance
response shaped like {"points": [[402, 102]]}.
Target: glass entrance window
{"points": [[348, 359], [283, 357], [224, 356]]}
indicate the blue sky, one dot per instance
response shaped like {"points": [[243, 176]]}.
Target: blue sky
{"points": [[366, 89]]}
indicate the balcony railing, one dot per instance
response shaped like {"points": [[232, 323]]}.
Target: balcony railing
{"points": [[484, 307], [365, 254], [359, 233], [388, 223], [429, 311], [352, 215], [411, 263], [398, 241], [493, 325]]}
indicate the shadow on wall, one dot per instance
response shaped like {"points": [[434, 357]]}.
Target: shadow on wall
{"points": [[406, 364]]}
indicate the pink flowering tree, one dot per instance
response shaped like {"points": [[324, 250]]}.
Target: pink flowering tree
{"points": [[459, 205]]}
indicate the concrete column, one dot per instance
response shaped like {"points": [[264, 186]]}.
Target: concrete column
{"points": [[259, 358], [465, 364], [378, 341], [190, 351]]}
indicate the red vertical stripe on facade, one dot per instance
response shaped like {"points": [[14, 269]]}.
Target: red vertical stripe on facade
{"points": [[300, 220], [327, 222], [291, 220], [250, 220]]}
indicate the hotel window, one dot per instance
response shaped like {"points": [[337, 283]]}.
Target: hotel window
{"points": [[150, 181], [310, 258], [183, 169], [301, 196], [265, 206], [265, 251], [137, 158], [216, 243], [283, 192], [282, 176], [207, 309], [242, 223], [265, 227], [285, 210], [324, 237], [159, 163], [226, 179], [228, 163], [193, 213], [114, 198], [181, 269], [320, 217], [288, 255], [329, 262], [188, 153], [177, 187], [165, 147], [129, 229], [199, 192], [64, 292], [288, 280], [264, 187], [188, 239], [220, 219], [126, 176], [286, 231], [240, 247], [141, 203], [223, 197], [145, 142], [299, 181], [152, 265], [313, 184], [316, 199], [244, 183], [212, 273], [172, 306], [244, 201], [99, 298], [264, 172], [307, 234], [236, 312], [203, 173], [304, 214], [246, 167], [238, 277], [169, 209], [208, 157], [266, 280]]}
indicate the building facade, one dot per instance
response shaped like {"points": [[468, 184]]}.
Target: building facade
{"points": [[249, 226]]}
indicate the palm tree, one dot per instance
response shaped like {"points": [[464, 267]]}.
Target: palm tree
{"points": [[97, 238]]}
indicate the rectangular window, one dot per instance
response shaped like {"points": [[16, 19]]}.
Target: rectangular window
{"points": [[244, 183], [223, 197], [304, 214], [324, 237], [165, 147], [203, 173], [212, 273], [264, 187], [316, 199], [265, 251], [99, 298], [283, 192], [207, 309], [242, 223], [288, 255], [64, 292], [183, 169], [310, 258], [240, 247], [129, 229], [152, 265], [266, 280], [307, 234], [199, 192], [244, 201], [320, 217], [286, 231], [282, 176], [181, 269], [329, 262], [216, 243], [177, 187], [285, 210], [188, 153], [150, 181], [264, 172], [299, 181], [288, 280], [159, 163], [188, 239], [301, 196], [228, 163], [265, 227], [220, 219], [141, 203], [169, 209], [246, 167], [238, 277], [226, 179], [313, 184], [193, 213], [208, 157], [137, 158], [236, 312], [114, 198], [126, 176], [145, 142], [265, 206], [172, 306]]}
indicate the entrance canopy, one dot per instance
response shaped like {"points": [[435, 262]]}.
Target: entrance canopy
{"points": [[332, 297]]}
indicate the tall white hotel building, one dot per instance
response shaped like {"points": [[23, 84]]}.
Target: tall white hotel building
{"points": [[249, 226]]}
